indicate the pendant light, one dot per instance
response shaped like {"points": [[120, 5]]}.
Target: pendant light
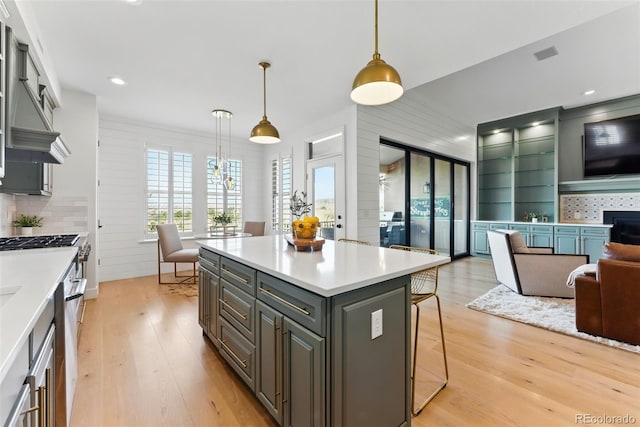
{"points": [[378, 83], [264, 132], [220, 166]]}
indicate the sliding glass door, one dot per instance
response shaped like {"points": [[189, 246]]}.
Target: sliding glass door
{"points": [[424, 200]]}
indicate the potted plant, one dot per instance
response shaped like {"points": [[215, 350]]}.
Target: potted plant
{"points": [[26, 223], [534, 216]]}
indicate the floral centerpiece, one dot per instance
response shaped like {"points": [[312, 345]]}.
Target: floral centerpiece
{"points": [[223, 220], [26, 223]]}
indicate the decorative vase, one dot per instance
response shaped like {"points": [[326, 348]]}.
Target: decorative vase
{"points": [[26, 231], [534, 219]]}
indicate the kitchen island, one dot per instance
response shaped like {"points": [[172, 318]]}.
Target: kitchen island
{"points": [[322, 338]]}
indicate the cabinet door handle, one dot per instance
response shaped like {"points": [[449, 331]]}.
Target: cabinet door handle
{"points": [[244, 316], [235, 276], [232, 354], [284, 301]]}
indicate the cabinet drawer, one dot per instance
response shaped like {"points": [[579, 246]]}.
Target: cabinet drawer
{"points": [[498, 226], [478, 226], [41, 328], [242, 276], [595, 231], [237, 308], [304, 307], [542, 229], [567, 231], [523, 228], [238, 351], [210, 261]]}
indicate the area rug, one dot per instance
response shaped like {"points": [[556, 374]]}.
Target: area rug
{"points": [[187, 290], [554, 314]]}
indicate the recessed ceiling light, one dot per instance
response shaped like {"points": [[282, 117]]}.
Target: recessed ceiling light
{"points": [[136, 2], [462, 137], [496, 131], [589, 92], [535, 123], [118, 81]]}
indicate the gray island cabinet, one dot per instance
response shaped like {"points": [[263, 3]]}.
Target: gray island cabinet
{"points": [[322, 338]]}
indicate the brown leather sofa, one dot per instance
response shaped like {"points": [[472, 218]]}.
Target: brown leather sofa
{"points": [[608, 305]]}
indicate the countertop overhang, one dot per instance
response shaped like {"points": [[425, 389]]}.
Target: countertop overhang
{"points": [[338, 268]]}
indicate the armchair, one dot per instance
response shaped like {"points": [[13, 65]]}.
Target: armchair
{"points": [[531, 271], [608, 305]]}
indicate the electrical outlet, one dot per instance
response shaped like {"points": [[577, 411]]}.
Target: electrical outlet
{"points": [[376, 324]]}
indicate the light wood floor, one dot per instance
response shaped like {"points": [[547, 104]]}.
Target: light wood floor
{"points": [[144, 362]]}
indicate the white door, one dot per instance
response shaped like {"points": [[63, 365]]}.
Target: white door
{"points": [[325, 189]]}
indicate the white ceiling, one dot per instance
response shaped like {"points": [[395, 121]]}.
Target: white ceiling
{"points": [[182, 59]]}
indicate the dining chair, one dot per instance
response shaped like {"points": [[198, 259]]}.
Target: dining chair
{"points": [[170, 250], [255, 228], [424, 285], [358, 242]]}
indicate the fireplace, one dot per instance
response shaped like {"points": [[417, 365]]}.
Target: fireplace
{"points": [[626, 226]]}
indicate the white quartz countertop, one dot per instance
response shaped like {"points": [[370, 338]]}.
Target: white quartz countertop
{"points": [[339, 267], [28, 278]]}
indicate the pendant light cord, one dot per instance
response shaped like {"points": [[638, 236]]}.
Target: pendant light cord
{"points": [[264, 91], [376, 55]]}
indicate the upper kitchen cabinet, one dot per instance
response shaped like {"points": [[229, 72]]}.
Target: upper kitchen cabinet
{"points": [[517, 171], [29, 132]]}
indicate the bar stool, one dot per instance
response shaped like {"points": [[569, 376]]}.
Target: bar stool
{"points": [[424, 285]]}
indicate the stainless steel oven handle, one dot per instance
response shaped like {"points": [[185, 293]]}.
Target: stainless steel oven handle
{"points": [[78, 290]]}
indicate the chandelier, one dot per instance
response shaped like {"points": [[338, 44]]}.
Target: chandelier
{"points": [[220, 165]]}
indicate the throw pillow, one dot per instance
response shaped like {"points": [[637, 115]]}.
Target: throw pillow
{"points": [[518, 246], [621, 252]]}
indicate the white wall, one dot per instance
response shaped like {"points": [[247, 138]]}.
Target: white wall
{"points": [[75, 179], [124, 253]]}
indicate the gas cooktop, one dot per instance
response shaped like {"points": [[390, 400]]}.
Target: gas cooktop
{"points": [[37, 242]]}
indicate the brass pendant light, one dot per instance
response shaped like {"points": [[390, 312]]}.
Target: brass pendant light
{"points": [[264, 132], [378, 83]]}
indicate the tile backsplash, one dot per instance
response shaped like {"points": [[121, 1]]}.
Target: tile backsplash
{"points": [[588, 208], [60, 214]]}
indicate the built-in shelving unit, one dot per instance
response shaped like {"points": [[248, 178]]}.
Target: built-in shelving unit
{"points": [[517, 171]]}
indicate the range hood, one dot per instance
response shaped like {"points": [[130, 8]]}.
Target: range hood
{"points": [[30, 137]]}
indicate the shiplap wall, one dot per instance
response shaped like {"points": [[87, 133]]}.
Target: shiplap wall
{"points": [[124, 253]]}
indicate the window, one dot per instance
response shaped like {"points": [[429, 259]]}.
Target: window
{"points": [[169, 190], [281, 193], [222, 199]]}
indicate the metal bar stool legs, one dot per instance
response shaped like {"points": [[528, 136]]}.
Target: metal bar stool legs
{"points": [[416, 300]]}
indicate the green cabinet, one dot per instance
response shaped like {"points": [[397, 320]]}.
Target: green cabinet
{"points": [[208, 284], [479, 241], [304, 376], [581, 240], [516, 167], [541, 236], [312, 360]]}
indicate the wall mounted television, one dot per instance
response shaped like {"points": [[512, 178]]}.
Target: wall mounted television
{"points": [[612, 147]]}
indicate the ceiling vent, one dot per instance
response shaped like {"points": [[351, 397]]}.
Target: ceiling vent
{"points": [[546, 53]]}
